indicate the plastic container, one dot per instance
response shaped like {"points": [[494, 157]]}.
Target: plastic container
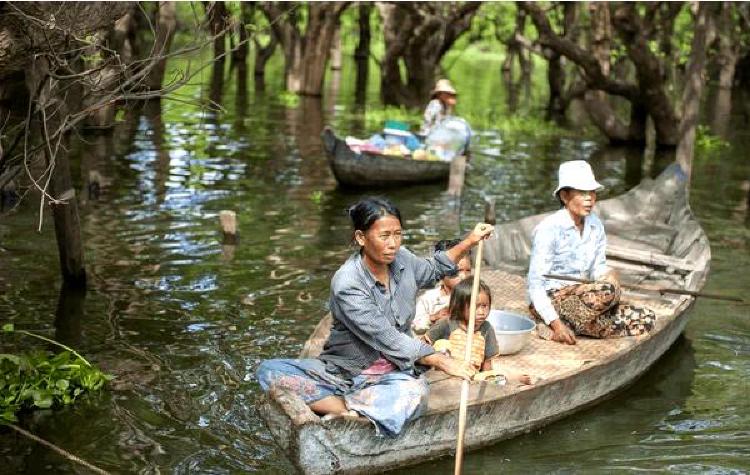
{"points": [[449, 138], [511, 330]]}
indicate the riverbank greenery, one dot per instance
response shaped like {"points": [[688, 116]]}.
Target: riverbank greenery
{"points": [[375, 117], [42, 380]]}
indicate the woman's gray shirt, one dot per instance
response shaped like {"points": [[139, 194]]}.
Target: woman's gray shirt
{"points": [[370, 321]]}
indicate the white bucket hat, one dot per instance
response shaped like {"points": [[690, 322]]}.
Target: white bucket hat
{"points": [[576, 174]]}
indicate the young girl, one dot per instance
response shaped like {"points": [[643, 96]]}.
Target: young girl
{"points": [[432, 305], [484, 350]]}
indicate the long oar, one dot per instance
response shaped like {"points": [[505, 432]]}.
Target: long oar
{"points": [[467, 358], [661, 290]]}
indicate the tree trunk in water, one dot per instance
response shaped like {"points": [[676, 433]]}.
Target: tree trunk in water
{"points": [[166, 23], [362, 53], [556, 82], [240, 54], [122, 37], [653, 90], [52, 110], [217, 20], [305, 55], [691, 95], [419, 35], [336, 54], [597, 103], [729, 51], [322, 27], [262, 53]]}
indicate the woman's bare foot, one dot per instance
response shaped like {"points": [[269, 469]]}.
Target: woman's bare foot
{"points": [[341, 415]]}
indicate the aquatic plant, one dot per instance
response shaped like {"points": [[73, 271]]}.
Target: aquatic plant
{"points": [[41, 380], [707, 141]]}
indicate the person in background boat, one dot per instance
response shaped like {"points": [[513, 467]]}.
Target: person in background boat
{"points": [[371, 365], [572, 242], [432, 305], [451, 333], [441, 105]]}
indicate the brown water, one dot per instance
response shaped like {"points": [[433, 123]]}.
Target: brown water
{"points": [[183, 321]]}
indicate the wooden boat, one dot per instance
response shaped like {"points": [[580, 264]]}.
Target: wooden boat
{"points": [[361, 170], [654, 240]]}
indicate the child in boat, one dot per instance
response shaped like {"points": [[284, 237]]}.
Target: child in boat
{"points": [[442, 103], [484, 349], [432, 305]]}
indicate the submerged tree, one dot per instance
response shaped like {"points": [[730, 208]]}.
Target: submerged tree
{"points": [[306, 45], [418, 34], [63, 68], [633, 28]]}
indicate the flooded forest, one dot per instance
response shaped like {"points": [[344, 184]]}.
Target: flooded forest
{"points": [[130, 130]]}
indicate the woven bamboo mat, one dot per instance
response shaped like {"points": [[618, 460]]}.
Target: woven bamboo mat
{"points": [[547, 359]]}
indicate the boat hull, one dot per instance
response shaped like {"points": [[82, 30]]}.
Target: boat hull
{"points": [[346, 446], [355, 170]]}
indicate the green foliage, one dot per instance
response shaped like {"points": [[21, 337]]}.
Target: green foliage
{"points": [[316, 197], [41, 380], [376, 117], [289, 100], [493, 22], [707, 141]]}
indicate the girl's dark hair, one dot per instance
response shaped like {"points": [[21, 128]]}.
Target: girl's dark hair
{"points": [[461, 296], [445, 244], [366, 211]]}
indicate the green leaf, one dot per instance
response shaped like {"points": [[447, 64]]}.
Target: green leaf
{"points": [[44, 403], [12, 358], [62, 384], [8, 327]]}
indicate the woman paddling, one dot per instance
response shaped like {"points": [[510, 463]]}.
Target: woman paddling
{"points": [[572, 242], [370, 365]]}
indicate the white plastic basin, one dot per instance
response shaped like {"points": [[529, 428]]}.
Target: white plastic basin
{"points": [[511, 330]]}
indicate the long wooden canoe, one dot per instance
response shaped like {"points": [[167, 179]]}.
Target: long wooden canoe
{"points": [[360, 170], [654, 240]]}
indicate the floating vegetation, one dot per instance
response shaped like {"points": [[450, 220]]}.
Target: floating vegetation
{"points": [[41, 380]]}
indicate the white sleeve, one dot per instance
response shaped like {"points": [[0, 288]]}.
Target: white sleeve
{"points": [[542, 252]]}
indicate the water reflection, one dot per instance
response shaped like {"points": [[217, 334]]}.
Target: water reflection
{"points": [[69, 315], [183, 326]]}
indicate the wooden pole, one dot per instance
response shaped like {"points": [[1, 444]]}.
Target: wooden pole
{"points": [[228, 222], [490, 216], [456, 178], [467, 357], [661, 290]]}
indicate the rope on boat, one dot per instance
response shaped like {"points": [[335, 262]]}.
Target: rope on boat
{"points": [[59, 450]]}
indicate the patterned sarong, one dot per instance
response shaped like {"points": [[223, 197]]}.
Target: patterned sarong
{"points": [[595, 310], [388, 400]]}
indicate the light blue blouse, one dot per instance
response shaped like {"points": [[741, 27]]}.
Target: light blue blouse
{"points": [[558, 248]]}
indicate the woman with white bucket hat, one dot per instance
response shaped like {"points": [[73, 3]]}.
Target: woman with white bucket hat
{"points": [[572, 243]]}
